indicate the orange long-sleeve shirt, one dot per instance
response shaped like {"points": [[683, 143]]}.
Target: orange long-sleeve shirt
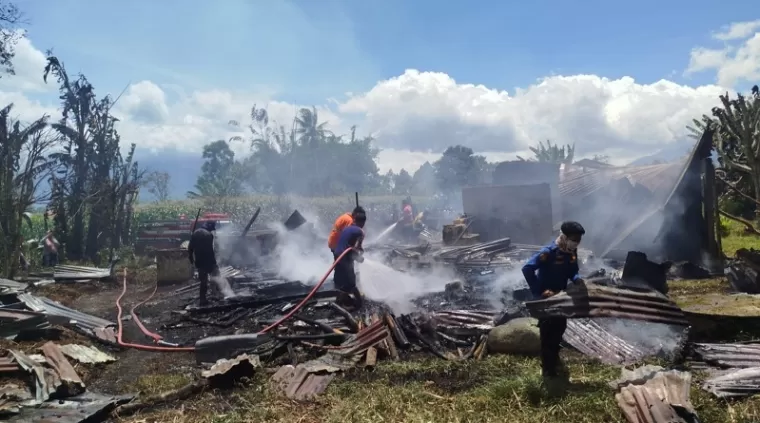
{"points": [[343, 221]]}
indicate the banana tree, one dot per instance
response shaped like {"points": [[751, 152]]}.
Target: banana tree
{"points": [[23, 166]]}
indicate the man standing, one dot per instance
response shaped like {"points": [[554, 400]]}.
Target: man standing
{"points": [[200, 251], [345, 275], [547, 273], [50, 250], [406, 222], [342, 222]]}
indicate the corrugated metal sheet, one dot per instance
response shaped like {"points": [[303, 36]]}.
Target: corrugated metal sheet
{"points": [[85, 354], [299, 383], [46, 380], [70, 380], [8, 286], [603, 301], [593, 340], [223, 366], [659, 179], [8, 364], [12, 322], [737, 383], [661, 399], [728, 355], [79, 409], [67, 315], [677, 219], [69, 272]]}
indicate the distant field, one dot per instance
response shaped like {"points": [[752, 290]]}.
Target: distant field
{"points": [[273, 208]]}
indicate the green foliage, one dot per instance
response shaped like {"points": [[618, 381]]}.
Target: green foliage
{"points": [[459, 167], [94, 186], [221, 175], [736, 137], [553, 153], [306, 159], [10, 18], [274, 208], [157, 184], [23, 164]]}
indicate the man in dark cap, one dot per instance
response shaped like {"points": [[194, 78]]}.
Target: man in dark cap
{"points": [[201, 254], [547, 273]]}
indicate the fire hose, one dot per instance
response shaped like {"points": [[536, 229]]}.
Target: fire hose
{"points": [[159, 340]]}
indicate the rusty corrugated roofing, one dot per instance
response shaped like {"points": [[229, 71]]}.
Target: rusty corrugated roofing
{"points": [[653, 401], [299, 383], [69, 378], [603, 301], [8, 364]]}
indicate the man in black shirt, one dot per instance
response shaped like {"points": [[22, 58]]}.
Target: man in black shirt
{"points": [[201, 254]]}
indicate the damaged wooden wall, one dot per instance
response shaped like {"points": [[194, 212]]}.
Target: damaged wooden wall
{"points": [[520, 172], [521, 212]]}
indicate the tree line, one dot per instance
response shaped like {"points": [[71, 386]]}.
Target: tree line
{"points": [[94, 184]]}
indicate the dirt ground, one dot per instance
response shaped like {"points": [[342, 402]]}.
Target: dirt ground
{"points": [[127, 374], [494, 389]]}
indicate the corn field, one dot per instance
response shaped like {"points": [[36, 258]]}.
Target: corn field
{"points": [[323, 210]]}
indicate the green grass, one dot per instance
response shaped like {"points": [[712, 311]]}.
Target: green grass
{"points": [[496, 389], [737, 237]]}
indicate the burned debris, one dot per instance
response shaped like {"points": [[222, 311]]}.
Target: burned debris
{"points": [[53, 390]]}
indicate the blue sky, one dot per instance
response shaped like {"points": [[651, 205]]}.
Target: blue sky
{"points": [[422, 75], [308, 51]]}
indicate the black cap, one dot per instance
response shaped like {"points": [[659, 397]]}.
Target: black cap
{"points": [[572, 228]]}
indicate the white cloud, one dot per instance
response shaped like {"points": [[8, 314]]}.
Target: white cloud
{"points": [[29, 64], [429, 111], [738, 30], [738, 60], [414, 116]]}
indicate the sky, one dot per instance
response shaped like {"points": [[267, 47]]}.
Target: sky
{"points": [[621, 81]]}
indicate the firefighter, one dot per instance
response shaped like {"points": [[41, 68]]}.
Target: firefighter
{"points": [[201, 253], [547, 273], [345, 274], [406, 223], [343, 221]]}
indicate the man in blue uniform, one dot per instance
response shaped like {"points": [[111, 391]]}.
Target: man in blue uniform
{"points": [[547, 273], [345, 276]]}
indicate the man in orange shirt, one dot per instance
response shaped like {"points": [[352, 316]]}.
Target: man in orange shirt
{"points": [[345, 220]]}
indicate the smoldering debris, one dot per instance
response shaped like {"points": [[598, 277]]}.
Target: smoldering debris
{"points": [[744, 271], [433, 299]]}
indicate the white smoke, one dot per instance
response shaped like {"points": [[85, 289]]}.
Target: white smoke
{"points": [[380, 282], [647, 336]]}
